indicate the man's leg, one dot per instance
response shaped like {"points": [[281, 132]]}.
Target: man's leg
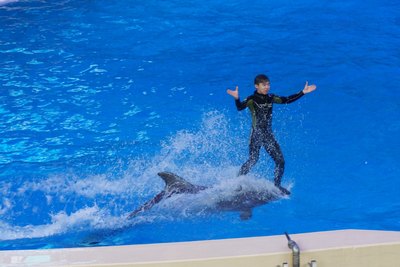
{"points": [[254, 154], [274, 150]]}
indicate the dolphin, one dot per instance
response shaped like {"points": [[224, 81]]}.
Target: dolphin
{"points": [[241, 199]]}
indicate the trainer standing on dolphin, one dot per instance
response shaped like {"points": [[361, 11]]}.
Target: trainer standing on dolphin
{"points": [[260, 105]]}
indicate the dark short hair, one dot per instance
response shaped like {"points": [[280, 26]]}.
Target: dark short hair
{"points": [[261, 78]]}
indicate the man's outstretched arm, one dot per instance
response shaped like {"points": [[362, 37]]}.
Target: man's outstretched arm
{"points": [[235, 94], [287, 100]]}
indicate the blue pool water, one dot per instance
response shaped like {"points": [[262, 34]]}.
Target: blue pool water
{"points": [[98, 96]]}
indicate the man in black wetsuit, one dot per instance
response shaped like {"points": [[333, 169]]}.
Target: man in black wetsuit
{"points": [[260, 105]]}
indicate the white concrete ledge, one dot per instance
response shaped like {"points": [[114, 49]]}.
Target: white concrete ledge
{"points": [[334, 248]]}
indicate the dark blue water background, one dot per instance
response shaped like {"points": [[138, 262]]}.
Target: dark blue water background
{"points": [[98, 96]]}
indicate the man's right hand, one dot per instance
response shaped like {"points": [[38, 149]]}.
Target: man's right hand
{"points": [[235, 93]]}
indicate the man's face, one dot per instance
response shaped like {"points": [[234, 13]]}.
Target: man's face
{"points": [[263, 87]]}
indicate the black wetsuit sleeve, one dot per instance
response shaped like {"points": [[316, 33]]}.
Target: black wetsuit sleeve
{"points": [[287, 100], [240, 105]]}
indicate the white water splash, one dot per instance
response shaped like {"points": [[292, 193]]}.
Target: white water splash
{"points": [[61, 222]]}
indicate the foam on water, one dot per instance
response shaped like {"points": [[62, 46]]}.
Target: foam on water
{"points": [[61, 222]]}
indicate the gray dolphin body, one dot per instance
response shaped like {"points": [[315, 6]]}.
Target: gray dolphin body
{"points": [[241, 200]]}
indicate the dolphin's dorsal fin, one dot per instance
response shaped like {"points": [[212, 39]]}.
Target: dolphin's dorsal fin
{"points": [[171, 178], [176, 183]]}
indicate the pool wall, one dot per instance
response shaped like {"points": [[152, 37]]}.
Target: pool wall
{"points": [[345, 248]]}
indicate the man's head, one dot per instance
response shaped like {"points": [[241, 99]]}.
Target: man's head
{"points": [[262, 84]]}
